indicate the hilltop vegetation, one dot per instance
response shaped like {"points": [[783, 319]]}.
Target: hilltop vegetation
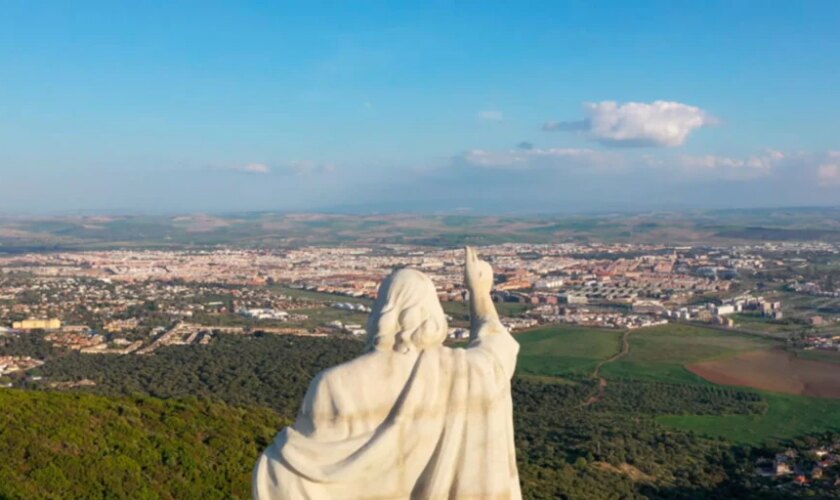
{"points": [[74, 445], [649, 436], [271, 371], [83, 446]]}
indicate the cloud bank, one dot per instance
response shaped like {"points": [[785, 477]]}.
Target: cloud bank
{"points": [[796, 167], [728, 167], [253, 168], [637, 124], [525, 158], [294, 167], [491, 115], [828, 173]]}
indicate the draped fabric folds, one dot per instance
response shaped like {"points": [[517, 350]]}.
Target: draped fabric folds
{"points": [[430, 424]]}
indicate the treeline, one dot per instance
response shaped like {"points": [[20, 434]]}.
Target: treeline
{"points": [[33, 345], [658, 398], [272, 371]]}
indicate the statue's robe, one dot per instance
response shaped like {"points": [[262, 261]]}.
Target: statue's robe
{"points": [[431, 424]]}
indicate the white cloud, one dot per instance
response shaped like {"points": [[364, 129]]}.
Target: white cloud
{"points": [[800, 168], [253, 168], [828, 174], [293, 167], [306, 167], [521, 158], [820, 167], [491, 115], [660, 123], [750, 166]]}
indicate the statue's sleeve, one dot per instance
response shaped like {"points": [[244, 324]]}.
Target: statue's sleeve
{"points": [[495, 341]]}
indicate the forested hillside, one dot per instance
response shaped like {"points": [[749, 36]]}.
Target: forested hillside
{"points": [[272, 371], [57, 445], [612, 449], [60, 445]]}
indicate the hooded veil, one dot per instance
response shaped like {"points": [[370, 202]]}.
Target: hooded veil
{"points": [[410, 418]]}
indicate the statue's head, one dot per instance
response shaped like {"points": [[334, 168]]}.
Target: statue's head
{"points": [[407, 314]]}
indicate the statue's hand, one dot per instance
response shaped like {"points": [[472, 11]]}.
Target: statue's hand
{"points": [[478, 275]]}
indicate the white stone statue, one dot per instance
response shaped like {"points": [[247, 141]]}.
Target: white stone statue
{"points": [[410, 418]]}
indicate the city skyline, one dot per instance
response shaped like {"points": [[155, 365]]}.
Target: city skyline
{"points": [[486, 108]]}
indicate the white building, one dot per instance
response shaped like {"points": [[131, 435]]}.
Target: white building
{"points": [[265, 314], [725, 310], [569, 298], [548, 283]]}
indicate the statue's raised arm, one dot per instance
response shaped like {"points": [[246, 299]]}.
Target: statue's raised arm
{"points": [[478, 279], [486, 330]]}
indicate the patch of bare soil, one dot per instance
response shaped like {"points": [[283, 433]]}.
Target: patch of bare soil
{"points": [[626, 469], [774, 370]]}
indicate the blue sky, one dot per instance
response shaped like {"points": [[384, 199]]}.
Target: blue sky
{"points": [[538, 107]]}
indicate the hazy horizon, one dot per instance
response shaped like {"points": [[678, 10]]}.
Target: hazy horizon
{"points": [[365, 211]]}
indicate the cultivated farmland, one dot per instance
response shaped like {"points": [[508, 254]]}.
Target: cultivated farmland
{"points": [[774, 370]]}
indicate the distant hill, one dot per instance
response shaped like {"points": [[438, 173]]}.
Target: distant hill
{"points": [[266, 229]]}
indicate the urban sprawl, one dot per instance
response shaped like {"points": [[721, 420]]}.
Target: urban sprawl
{"points": [[135, 301]]}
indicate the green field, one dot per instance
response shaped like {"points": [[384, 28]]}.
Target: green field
{"points": [[660, 353], [320, 316], [319, 296], [787, 417], [758, 323], [657, 353], [565, 350], [818, 355]]}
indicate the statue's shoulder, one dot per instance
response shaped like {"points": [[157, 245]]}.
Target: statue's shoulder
{"points": [[345, 372], [327, 389], [335, 389]]}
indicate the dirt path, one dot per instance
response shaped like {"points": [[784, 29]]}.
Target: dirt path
{"points": [[602, 382]]}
